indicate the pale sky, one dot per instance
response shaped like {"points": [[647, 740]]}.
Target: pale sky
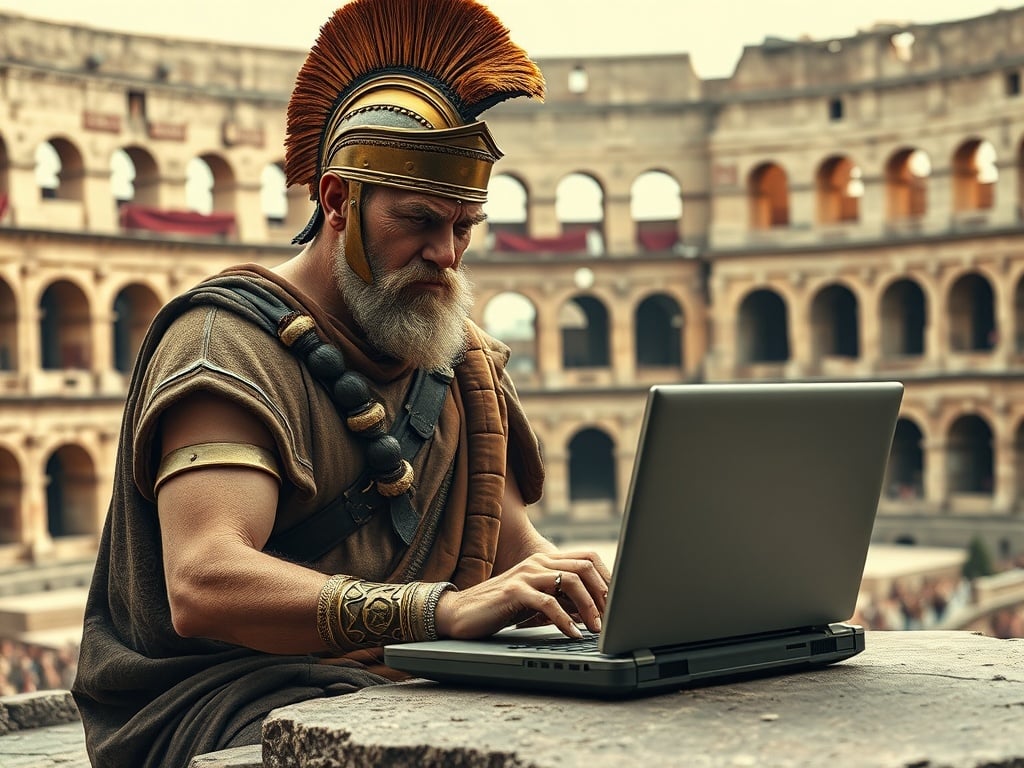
{"points": [[713, 32]]}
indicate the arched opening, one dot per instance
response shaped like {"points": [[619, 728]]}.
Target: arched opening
{"points": [[905, 472], [974, 176], [840, 188], [583, 322], [199, 186], [507, 213], [512, 318], [70, 492], [59, 170], [970, 466], [10, 498], [906, 182], [134, 309], [656, 206], [579, 206], [904, 313], [64, 327], [768, 190], [834, 324], [274, 195], [972, 319], [8, 328], [659, 332], [763, 328], [592, 468]]}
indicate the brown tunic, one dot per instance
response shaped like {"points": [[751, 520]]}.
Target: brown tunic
{"points": [[149, 697]]}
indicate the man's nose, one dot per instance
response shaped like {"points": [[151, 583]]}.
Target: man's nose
{"points": [[441, 249]]}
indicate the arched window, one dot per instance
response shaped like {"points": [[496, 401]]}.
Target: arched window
{"points": [[507, 212], [512, 318], [10, 498], [906, 181], [134, 310], [834, 325], [763, 328], [592, 467], [8, 328], [969, 454], [659, 332], [972, 319], [199, 186], [768, 189], [274, 195], [656, 206], [71, 489], [905, 472], [64, 327], [579, 206], [974, 176], [583, 321], [59, 170], [840, 188], [904, 313]]}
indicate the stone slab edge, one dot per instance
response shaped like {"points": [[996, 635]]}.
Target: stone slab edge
{"points": [[24, 711]]}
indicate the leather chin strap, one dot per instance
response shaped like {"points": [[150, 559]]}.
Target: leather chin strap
{"points": [[355, 253]]}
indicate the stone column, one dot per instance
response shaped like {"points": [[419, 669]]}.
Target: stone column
{"points": [[99, 202], [548, 344], [541, 216], [936, 486], [619, 227], [1005, 476]]}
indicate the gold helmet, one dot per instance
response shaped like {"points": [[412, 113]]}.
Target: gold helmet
{"points": [[391, 93]]}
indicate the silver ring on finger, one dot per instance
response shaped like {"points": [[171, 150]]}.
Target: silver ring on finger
{"points": [[558, 583]]}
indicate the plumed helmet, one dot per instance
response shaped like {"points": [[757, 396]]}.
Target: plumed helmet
{"points": [[391, 94]]}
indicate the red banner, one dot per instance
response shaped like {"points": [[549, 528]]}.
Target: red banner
{"points": [[181, 222]]}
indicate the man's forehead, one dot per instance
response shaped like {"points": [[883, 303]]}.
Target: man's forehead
{"points": [[403, 198]]}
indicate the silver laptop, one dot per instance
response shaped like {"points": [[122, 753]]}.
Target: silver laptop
{"points": [[741, 550]]}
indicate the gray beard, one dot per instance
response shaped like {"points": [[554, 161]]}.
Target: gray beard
{"points": [[425, 330]]}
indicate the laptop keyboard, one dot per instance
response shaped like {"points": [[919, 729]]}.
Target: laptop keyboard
{"points": [[585, 644]]}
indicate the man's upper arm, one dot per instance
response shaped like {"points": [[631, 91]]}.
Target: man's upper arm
{"points": [[517, 537]]}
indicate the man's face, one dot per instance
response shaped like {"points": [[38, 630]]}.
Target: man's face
{"points": [[416, 307]]}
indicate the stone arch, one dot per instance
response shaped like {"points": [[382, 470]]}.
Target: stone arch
{"points": [[906, 184], [71, 492], [134, 308], [970, 465], [835, 328], [592, 471], [974, 175], [762, 331], [658, 326], [840, 186], [905, 471], [972, 314], [5, 178], [904, 316], [768, 192], [656, 205], [134, 176], [512, 318], [584, 325], [60, 170], [508, 211], [210, 184], [64, 327], [579, 207], [8, 327], [11, 490]]}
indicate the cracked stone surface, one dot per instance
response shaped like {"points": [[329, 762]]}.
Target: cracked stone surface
{"points": [[910, 699]]}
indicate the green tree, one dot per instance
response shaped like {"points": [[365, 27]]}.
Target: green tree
{"points": [[979, 562]]}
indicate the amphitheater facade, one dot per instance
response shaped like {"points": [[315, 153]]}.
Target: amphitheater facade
{"points": [[837, 209]]}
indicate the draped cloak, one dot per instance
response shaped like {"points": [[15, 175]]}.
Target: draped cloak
{"points": [[149, 697]]}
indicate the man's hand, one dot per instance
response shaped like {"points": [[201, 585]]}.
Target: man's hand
{"points": [[547, 585]]}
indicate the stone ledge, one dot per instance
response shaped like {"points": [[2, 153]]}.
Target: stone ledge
{"points": [[951, 699], [24, 711]]}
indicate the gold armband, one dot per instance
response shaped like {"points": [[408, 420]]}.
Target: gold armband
{"points": [[352, 613], [203, 455]]}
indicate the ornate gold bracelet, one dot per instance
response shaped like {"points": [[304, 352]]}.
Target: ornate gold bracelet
{"points": [[352, 613]]}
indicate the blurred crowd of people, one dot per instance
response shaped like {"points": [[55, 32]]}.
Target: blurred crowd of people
{"points": [[27, 668]]}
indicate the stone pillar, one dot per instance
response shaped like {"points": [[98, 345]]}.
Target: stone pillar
{"points": [[936, 486], [622, 341], [541, 216], [25, 199], [250, 221], [556, 481], [102, 332], [99, 202], [1005, 476], [35, 526], [619, 227], [549, 345]]}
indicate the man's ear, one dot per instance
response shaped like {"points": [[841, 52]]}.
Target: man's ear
{"points": [[334, 201]]}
